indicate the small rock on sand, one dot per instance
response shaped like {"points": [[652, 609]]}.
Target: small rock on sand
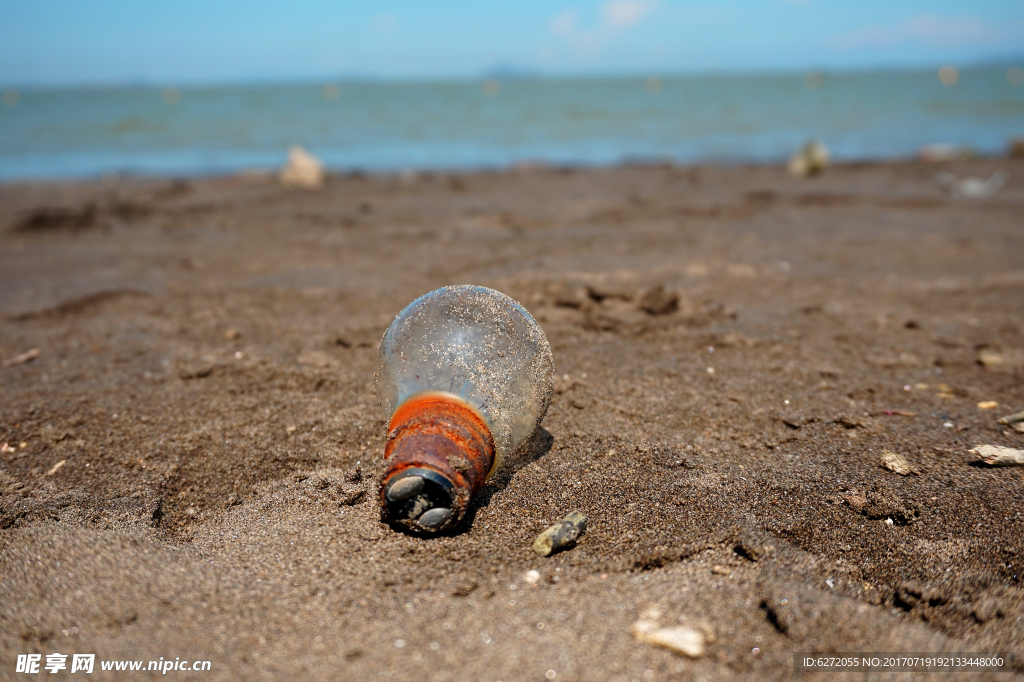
{"points": [[999, 456], [303, 170], [896, 463], [658, 301], [562, 535], [989, 358], [1007, 359], [813, 158]]}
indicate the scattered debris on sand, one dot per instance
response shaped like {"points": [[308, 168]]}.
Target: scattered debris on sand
{"points": [[678, 639], [303, 170], [1016, 148], [989, 358], [896, 463], [970, 187], [27, 356], [189, 491], [999, 456], [1007, 359], [939, 152], [56, 467], [1010, 419], [562, 535], [813, 158], [658, 301]]}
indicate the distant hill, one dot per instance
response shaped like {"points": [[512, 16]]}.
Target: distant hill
{"points": [[504, 71]]}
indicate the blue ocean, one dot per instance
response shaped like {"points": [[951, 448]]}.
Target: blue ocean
{"points": [[378, 126]]}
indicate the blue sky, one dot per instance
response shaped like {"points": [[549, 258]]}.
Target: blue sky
{"points": [[193, 41]]}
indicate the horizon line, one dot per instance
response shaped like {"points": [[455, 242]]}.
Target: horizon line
{"points": [[511, 72]]}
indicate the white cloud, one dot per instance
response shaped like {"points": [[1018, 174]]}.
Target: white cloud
{"points": [[620, 14], [928, 29], [951, 31], [616, 16]]}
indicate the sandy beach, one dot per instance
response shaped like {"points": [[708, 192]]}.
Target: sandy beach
{"points": [[189, 463]]}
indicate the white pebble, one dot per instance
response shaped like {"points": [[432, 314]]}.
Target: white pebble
{"points": [[681, 640]]}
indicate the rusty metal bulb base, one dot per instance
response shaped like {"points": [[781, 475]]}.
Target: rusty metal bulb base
{"points": [[438, 453]]}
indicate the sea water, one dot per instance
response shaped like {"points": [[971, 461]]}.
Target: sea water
{"points": [[390, 126]]}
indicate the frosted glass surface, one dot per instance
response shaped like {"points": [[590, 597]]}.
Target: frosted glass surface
{"points": [[478, 345]]}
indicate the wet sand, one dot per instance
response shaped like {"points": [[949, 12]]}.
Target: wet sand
{"points": [[206, 355]]}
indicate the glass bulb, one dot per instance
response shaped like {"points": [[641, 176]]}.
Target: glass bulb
{"points": [[464, 378]]}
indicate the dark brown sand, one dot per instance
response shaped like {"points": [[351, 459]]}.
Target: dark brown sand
{"points": [[205, 376]]}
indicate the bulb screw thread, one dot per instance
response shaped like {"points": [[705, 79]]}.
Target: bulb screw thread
{"points": [[439, 452]]}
